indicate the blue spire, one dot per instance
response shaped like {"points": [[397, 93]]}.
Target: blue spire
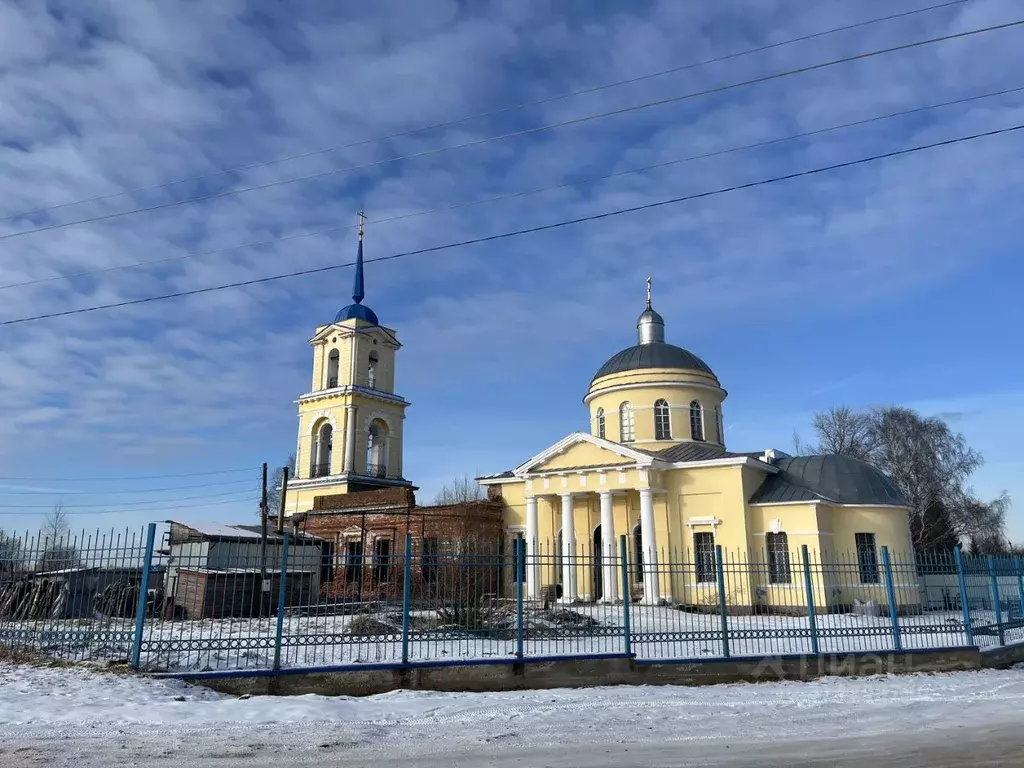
{"points": [[357, 285], [356, 310]]}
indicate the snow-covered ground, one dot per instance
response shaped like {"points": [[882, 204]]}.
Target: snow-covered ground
{"points": [[81, 718], [657, 632]]}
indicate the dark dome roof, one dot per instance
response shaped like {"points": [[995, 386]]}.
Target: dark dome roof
{"points": [[654, 355], [357, 311], [841, 479]]}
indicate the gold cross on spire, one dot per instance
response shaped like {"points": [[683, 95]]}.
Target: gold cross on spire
{"points": [[362, 220], [648, 293]]}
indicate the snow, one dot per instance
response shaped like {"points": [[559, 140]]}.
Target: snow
{"points": [[657, 633], [93, 711]]}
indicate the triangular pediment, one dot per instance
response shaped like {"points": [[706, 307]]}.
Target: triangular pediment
{"points": [[580, 450]]}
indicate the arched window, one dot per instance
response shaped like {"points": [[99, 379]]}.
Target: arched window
{"points": [[696, 421], [627, 431], [662, 421], [332, 369], [320, 455], [600, 422], [377, 449], [371, 374]]}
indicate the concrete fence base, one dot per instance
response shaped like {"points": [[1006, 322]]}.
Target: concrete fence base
{"points": [[579, 673]]}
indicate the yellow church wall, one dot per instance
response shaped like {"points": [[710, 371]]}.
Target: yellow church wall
{"points": [[652, 376], [891, 526], [802, 525], [643, 399]]}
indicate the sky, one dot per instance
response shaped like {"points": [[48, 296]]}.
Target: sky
{"points": [[892, 282]]}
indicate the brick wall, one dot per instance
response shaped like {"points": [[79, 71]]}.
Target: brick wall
{"points": [[472, 529]]}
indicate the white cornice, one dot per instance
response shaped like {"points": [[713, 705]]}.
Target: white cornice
{"points": [[642, 459], [323, 482], [785, 503], [345, 331], [597, 391], [732, 461], [376, 394]]}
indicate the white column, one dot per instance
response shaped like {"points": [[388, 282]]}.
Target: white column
{"points": [[532, 561], [609, 573], [568, 551], [350, 438], [649, 542]]}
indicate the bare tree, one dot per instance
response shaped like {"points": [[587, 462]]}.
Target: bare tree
{"points": [[10, 553], [929, 464], [274, 485], [846, 432], [459, 491], [58, 550]]}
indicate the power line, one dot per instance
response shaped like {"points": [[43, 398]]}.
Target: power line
{"points": [[524, 193], [495, 113], [130, 511], [133, 503], [57, 492], [513, 134], [126, 479], [518, 232]]}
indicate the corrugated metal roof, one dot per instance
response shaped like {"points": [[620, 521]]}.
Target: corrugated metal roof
{"points": [[841, 479], [653, 355]]}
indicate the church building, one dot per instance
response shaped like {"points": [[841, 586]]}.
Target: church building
{"points": [[654, 466]]}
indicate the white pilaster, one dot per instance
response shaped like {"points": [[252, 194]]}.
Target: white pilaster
{"points": [[649, 542], [532, 559], [609, 573], [350, 438], [568, 550]]}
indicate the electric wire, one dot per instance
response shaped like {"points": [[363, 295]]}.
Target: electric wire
{"points": [[523, 193], [512, 134], [524, 231], [494, 113]]}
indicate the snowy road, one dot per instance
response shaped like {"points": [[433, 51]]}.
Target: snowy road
{"points": [[82, 719]]}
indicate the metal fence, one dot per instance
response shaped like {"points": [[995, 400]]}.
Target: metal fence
{"points": [[304, 602]]}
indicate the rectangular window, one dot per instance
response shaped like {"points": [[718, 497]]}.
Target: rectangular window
{"points": [[704, 557], [381, 560], [867, 558], [428, 563], [353, 562], [778, 558]]}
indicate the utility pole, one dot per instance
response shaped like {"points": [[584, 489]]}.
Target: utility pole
{"points": [[264, 585], [280, 506]]}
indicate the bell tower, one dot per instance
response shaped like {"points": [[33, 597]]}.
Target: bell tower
{"points": [[350, 422]]}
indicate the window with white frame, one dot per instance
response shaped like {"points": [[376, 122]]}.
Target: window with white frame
{"points": [[600, 423], [696, 421], [662, 421], [627, 429]]}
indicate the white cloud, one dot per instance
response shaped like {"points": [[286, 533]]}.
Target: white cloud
{"points": [[100, 98]]}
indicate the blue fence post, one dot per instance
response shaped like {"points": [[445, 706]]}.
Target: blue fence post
{"points": [[520, 574], [1020, 584], [282, 580], [964, 603], [890, 591], [722, 602], [812, 618], [996, 603], [406, 581], [627, 630], [140, 605]]}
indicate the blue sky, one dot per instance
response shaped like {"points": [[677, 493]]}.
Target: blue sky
{"points": [[893, 282]]}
